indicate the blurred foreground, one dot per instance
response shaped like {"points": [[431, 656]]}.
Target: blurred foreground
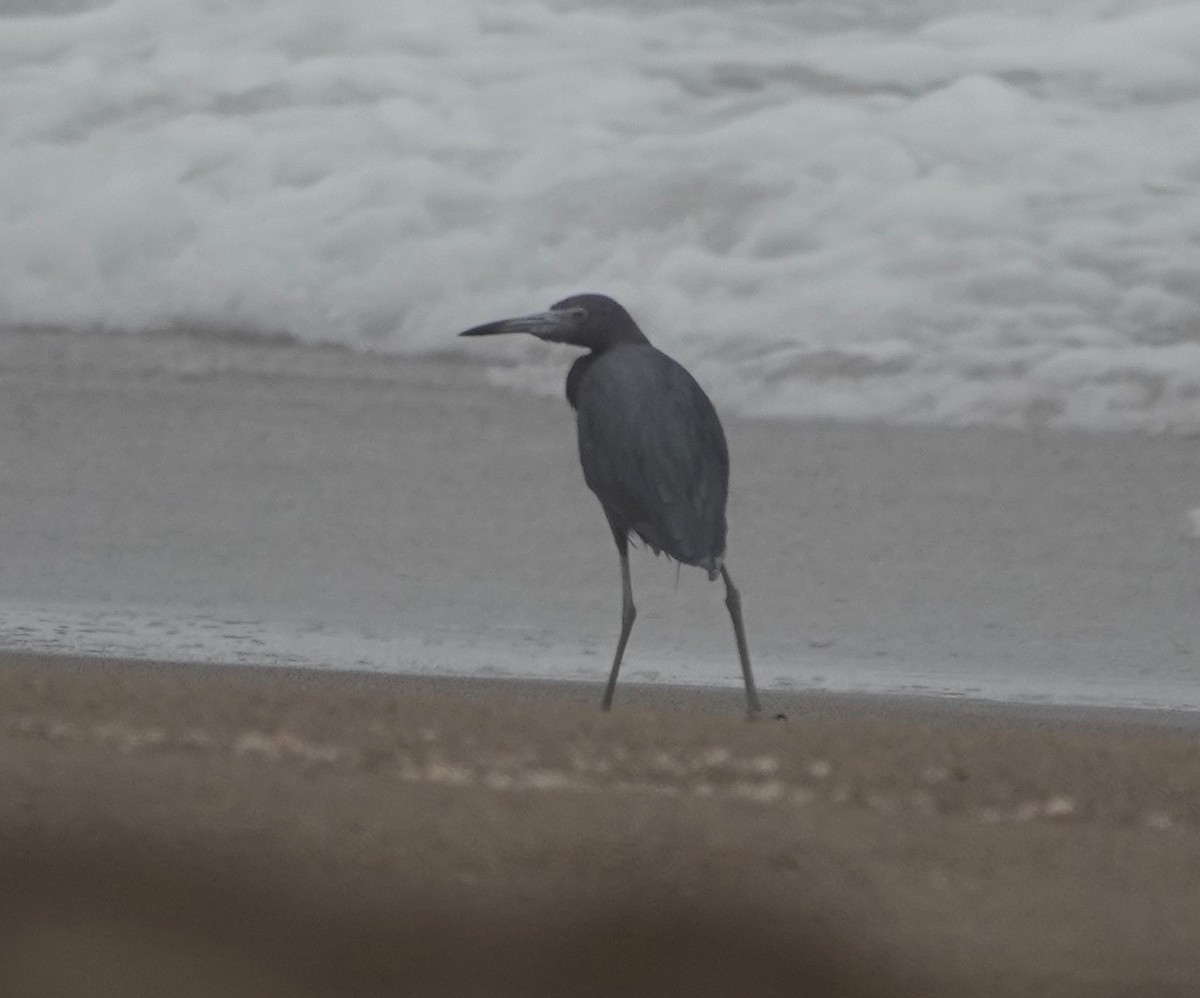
{"points": [[195, 832]]}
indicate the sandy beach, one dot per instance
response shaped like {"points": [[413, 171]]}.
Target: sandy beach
{"points": [[984, 643], [260, 832]]}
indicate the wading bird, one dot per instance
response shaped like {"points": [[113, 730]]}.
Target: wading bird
{"points": [[651, 446]]}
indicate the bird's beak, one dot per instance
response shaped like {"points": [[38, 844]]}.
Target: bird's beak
{"points": [[558, 325]]}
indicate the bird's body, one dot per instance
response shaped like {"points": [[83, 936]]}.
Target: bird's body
{"points": [[651, 446], [653, 451]]}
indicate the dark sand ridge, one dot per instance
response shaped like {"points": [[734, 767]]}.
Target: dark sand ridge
{"points": [[212, 831]]}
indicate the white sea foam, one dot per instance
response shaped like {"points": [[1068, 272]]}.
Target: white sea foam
{"points": [[984, 215]]}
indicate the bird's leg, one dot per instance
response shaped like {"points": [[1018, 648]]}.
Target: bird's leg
{"points": [[733, 600], [628, 615]]}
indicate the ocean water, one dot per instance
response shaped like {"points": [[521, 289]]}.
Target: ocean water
{"points": [[945, 211], [942, 212]]}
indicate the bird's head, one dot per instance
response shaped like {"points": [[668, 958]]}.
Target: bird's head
{"points": [[591, 321]]}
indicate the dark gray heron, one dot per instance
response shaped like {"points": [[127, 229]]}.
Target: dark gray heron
{"points": [[651, 446]]}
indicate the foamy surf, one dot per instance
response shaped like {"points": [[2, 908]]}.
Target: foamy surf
{"points": [[985, 217]]}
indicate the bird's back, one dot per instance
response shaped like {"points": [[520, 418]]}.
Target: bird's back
{"points": [[653, 451]]}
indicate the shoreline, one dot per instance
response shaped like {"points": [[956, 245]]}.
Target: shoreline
{"points": [[716, 701], [323, 506]]}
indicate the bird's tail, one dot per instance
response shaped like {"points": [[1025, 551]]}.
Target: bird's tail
{"points": [[713, 566]]}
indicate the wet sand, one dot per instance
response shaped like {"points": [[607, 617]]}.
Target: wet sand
{"points": [[213, 831], [403, 514]]}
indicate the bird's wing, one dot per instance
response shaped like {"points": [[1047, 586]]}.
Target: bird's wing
{"points": [[653, 451]]}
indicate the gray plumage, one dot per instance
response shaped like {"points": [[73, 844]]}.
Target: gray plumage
{"points": [[653, 451], [651, 446]]}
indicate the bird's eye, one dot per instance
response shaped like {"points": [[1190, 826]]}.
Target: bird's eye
{"points": [[579, 314]]}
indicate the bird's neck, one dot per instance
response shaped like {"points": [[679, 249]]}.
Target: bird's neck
{"points": [[630, 336], [576, 373]]}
